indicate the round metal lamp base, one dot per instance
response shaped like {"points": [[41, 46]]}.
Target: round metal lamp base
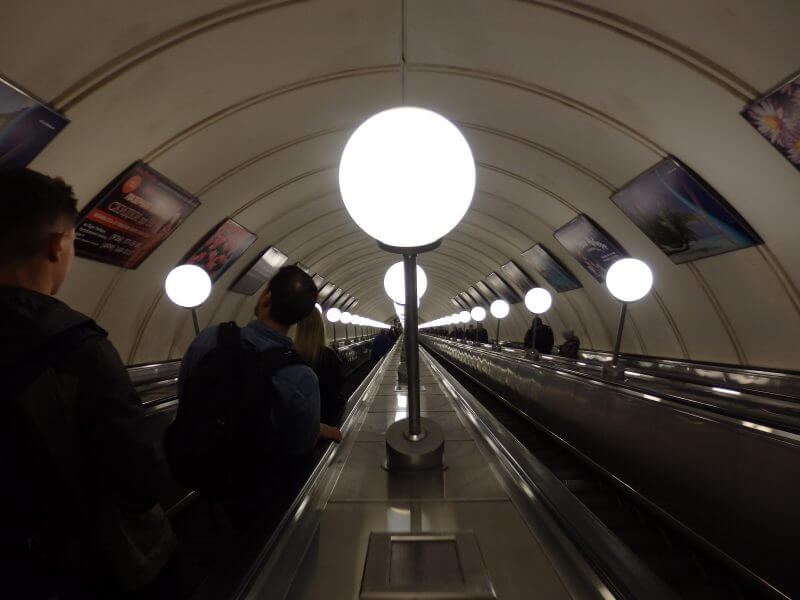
{"points": [[614, 372], [404, 454]]}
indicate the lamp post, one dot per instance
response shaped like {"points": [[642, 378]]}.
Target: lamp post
{"points": [[628, 280], [499, 310], [333, 315], [188, 286], [538, 301], [346, 318], [478, 314], [407, 177]]}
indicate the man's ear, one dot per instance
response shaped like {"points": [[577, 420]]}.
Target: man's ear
{"points": [[57, 246]]}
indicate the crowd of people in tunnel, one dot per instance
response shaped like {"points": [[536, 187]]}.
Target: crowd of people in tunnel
{"points": [[82, 516]]}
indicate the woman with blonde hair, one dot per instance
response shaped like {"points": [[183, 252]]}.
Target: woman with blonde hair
{"points": [[311, 343]]}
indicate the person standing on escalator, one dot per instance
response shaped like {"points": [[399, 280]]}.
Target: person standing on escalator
{"points": [[311, 344]]}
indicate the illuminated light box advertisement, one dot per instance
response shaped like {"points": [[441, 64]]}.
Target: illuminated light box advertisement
{"points": [[473, 293], [318, 280], [325, 292], [466, 300], [131, 217], [331, 301], [484, 291], [459, 304], [776, 116], [26, 126], [502, 289], [343, 299], [557, 275], [220, 248], [351, 305], [683, 215], [518, 278], [259, 272], [591, 246]]}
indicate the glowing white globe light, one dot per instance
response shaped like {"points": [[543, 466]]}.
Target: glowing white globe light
{"points": [[346, 318], [407, 176], [464, 317], [454, 318], [355, 320], [629, 279], [333, 315], [188, 286], [478, 314], [394, 282], [499, 309], [318, 307], [538, 300]]}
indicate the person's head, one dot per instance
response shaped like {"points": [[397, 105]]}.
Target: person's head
{"points": [[37, 220], [289, 297], [309, 337], [471, 326]]}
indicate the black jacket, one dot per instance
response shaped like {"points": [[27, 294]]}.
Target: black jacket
{"points": [[330, 373], [95, 424]]}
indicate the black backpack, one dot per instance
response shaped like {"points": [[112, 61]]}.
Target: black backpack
{"points": [[221, 438]]}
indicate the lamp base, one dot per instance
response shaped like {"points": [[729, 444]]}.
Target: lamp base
{"points": [[422, 454], [533, 355], [614, 372]]}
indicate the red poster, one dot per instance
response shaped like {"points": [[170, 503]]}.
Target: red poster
{"points": [[130, 218], [220, 248]]}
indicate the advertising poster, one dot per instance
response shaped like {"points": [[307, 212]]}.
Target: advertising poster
{"points": [[353, 305], [466, 300], [259, 272], [777, 117], [557, 275], [683, 215], [517, 277], [326, 290], [220, 248], [484, 291], [334, 297], [590, 245], [26, 126], [476, 297], [130, 218], [342, 301], [319, 280], [502, 289], [459, 306]]}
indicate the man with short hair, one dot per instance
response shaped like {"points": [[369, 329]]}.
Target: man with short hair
{"points": [[295, 415], [73, 458]]}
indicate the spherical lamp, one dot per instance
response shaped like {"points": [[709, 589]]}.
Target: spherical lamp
{"points": [[333, 315], [499, 309], [464, 316], [346, 318], [538, 300], [478, 314], [629, 279], [394, 282], [407, 176], [188, 286]]}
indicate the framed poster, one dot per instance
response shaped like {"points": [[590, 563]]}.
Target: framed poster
{"points": [[325, 292], [221, 247], [353, 305], [26, 126], [343, 299], [259, 272], [502, 289], [131, 217], [683, 215], [518, 278], [331, 301], [459, 304], [776, 116], [318, 280], [303, 268], [591, 246], [350, 304], [484, 291], [557, 275], [476, 297]]}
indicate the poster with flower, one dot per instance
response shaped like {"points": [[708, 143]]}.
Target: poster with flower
{"points": [[776, 116], [220, 248]]}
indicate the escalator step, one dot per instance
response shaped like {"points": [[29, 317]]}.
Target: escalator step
{"points": [[675, 569], [643, 540]]}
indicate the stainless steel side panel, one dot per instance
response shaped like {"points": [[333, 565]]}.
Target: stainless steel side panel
{"points": [[732, 481]]}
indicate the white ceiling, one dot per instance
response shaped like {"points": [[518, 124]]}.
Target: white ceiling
{"points": [[248, 106]]}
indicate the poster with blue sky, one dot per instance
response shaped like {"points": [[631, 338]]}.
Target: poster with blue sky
{"points": [[776, 116], [591, 246], [26, 126], [683, 215], [556, 274]]}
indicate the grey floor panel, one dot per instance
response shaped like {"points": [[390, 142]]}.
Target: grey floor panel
{"points": [[375, 424], [427, 402], [468, 476], [333, 565]]}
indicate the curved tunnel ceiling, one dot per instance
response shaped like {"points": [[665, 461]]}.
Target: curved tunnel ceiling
{"points": [[249, 105]]}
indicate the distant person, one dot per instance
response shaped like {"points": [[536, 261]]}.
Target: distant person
{"points": [[470, 333], [481, 335], [249, 413], [311, 344], [544, 337], [570, 346], [80, 517], [381, 344]]}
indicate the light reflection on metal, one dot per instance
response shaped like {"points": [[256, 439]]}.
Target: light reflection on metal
{"points": [[722, 390]]}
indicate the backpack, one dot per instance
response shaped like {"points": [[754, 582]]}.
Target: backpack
{"points": [[221, 441], [545, 339]]}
